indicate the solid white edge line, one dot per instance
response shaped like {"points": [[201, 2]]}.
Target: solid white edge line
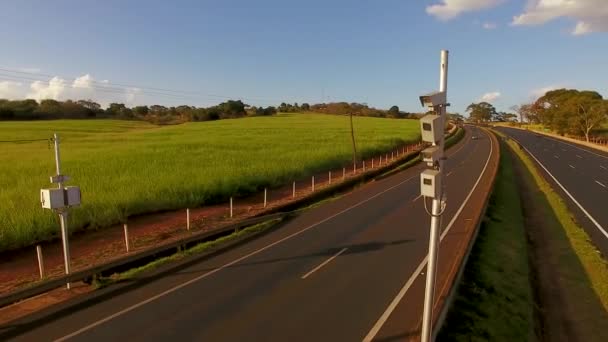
{"points": [[571, 166], [566, 191], [324, 263], [598, 182], [603, 167], [191, 281], [391, 307], [177, 287]]}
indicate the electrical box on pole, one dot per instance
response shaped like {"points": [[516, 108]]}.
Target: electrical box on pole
{"points": [[59, 200], [431, 128], [430, 183]]}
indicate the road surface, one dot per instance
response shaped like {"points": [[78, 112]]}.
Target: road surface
{"points": [[578, 173], [348, 270]]}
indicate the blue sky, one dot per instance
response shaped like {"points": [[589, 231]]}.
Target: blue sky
{"points": [[267, 51]]}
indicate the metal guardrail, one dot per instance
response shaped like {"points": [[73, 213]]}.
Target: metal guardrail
{"points": [[49, 285]]}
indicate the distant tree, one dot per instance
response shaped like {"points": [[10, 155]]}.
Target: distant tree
{"points": [[305, 107], [393, 112], [93, 108], [119, 110], [270, 110], [231, 109], [50, 109], [141, 110], [481, 112], [571, 111]]}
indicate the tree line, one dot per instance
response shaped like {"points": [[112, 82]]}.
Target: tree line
{"points": [[85, 109], [565, 111]]}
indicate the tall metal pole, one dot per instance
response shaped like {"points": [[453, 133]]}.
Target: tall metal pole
{"points": [[429, 293], [63, 214]]}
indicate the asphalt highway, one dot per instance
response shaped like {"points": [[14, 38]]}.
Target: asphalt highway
{"points": [[351, 269], [578, 173]]}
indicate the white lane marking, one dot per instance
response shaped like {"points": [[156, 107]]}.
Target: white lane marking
{"points": [[603, 167], [324, 263], [449, 173], [563, 149], [571, 166], [205, 275], [593, 220], [598, 182], [582, 149], [391, 307], [579, 156], [556, 156], [417, 197]]}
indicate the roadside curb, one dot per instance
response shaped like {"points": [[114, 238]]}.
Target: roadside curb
{"points": [[449, 299]]}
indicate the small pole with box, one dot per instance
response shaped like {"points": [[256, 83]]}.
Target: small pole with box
{"points": [[59, 200]]}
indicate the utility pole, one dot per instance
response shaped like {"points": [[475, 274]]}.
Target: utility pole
{"points": [[63, 214], [59, 200], [431, 186], [352, 136]]}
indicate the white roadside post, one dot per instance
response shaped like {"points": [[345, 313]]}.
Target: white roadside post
{"points": [[40, 261], [293, 191], [431, 184], [265, 196], [329, 177], [59, 200], [187, 218], [230, 206], [126, 230]]}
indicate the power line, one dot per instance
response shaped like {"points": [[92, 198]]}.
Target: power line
{"points": [[49, 140], [123, 87]]}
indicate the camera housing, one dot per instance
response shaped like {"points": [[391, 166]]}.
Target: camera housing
{"points": [[433, 99], [431, 128]]}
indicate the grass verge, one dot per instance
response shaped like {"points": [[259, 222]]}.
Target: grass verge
{"points": [[495, 299], [581, 249], [202, 247]]}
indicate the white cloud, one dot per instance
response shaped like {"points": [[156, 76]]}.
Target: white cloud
{"points": [[131, 96], [590, 15], [490, 97], [83, 87], [489, 26], [83, 82], [52, 89], [449, 9], [10, 90]]}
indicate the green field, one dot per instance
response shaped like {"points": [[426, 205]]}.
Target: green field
{"points": [[129, 167]]}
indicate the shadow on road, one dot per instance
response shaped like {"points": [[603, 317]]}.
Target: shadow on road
{"points": [[350, 249]]}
